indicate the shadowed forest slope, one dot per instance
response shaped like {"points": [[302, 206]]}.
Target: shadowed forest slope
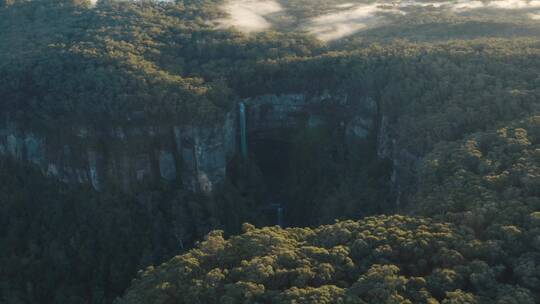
{"points": [[439, 204]]}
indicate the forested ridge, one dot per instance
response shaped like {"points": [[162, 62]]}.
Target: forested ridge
{"points": [[472, 236], [459, 91]]}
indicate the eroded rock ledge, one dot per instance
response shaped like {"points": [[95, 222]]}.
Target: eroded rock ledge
{"points": [[194, 156]]}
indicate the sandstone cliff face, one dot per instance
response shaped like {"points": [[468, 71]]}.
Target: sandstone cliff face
{"points": [[404, 163], [268, 113], [127, 157], [359, 118], [192, 156]]}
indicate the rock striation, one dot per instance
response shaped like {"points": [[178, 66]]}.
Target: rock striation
{"points": [[127, 157]]}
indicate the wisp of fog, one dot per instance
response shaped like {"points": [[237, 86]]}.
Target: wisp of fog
{"points": [[343, 23], [346, 19], [249, 15]]}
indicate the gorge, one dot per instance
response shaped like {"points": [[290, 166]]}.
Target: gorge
{"points": [[272, 151], [194, 156], [261, 130]]}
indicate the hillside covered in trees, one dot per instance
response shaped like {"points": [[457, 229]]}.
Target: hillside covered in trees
{"points": [[481, 244], [438, 204]]}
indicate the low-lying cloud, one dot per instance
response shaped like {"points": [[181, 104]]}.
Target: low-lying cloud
{"points": [[344, 23], [249, 15], [349, 18], [497, 4], [535, 16], [352, 18]]}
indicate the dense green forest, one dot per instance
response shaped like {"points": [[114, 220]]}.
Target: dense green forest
{"points": [[460, 91], [481, 245]]}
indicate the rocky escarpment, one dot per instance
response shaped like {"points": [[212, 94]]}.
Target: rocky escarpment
{"points": [[358, 118], [297, 141], [126, 157], [192, 156], [404, 163], [269, 114]]}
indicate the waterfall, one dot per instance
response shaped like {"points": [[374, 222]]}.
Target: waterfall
{"points": [[280, 216], [279, 213], [243, 130]]}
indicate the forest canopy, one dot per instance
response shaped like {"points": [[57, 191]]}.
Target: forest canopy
{"points": [[481, 244], [457, 84]]}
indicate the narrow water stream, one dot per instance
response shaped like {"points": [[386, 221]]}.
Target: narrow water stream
{"points": [[243, 130], [271, 156]]}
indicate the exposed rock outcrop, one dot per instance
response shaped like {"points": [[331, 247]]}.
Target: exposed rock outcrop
{"points": [[404, 163], [269, 113], [128, 156], [193, 156]]}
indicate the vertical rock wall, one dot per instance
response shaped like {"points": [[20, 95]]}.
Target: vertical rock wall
{"points": [[274, 112], [193, 156], [128, 156], [404, 163]]}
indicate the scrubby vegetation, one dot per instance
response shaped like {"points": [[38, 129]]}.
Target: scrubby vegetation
{"points": [[379, 259], [71, 245], [481, 245], [395, 259], [466, 110]]}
